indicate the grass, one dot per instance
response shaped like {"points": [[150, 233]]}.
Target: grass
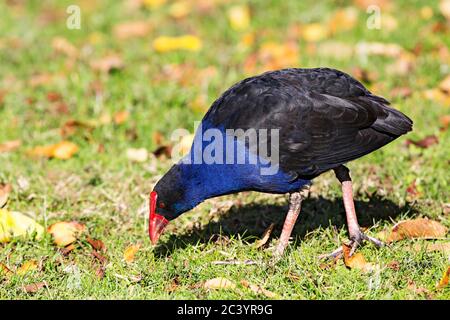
{"points": [[108, 193]]}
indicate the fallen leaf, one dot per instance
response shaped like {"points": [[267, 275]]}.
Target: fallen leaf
{"points": [[187, 42], [180, 9], [100, 272], [394, 265], [70, 127], [107, 64], [40, 79], [417, 228], [130, 252], [239, 17], [426, 142], [401, 92], [62, 150], [27, 266], [153, 4], [15, 224], [412, 190], [163, 151], [445, 279], [99, 257], [258, 289], [96, 244], [65, 233], [121, 116], [5, 190], [265, 237], [137, 155], [66, 250], [356, 261], [61, 45], [4, 270], [314, 32], [343, 20], [34, 287], [426, 12], [132, 29], [432, 247], [444, 6], [219, 283], [10, 145], [419, 290], [445, 121]]}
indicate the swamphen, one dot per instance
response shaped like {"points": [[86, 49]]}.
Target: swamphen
{"points": [[314, 120]]}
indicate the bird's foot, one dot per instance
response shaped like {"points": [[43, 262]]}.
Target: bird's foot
{"points": [[356, 238]]}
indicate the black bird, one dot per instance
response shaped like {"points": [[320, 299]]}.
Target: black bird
{"points": [[311, 120]]}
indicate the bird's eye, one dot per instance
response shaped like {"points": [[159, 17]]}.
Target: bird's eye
{"points": [[162, 205]]}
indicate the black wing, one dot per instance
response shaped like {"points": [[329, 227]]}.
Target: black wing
{"points": [[325, 117]]}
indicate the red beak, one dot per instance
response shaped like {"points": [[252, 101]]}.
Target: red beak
{"points": [[157, 222]]}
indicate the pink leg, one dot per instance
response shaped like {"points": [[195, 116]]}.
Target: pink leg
{"points": [[356, 235], [295, 203]]}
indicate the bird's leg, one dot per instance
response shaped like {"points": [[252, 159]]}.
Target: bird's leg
{"points": [[356, 235], [295, 204]]}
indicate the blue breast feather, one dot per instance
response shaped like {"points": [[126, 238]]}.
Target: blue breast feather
{"points": [[206, 180]]}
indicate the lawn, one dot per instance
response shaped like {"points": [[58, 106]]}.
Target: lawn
{"points": [[114, 85]]}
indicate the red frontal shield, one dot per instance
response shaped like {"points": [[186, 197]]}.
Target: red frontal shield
{"points": [[156, 222]]}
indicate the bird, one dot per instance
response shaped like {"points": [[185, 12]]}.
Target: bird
{"points": [[314, 119]]}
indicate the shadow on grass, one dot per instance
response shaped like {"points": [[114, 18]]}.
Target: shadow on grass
{"points": [[250, 221]]}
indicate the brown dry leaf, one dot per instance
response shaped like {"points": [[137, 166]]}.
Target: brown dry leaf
{"points": [[356, 261], [219, 283], [10, 145], [108, 63], [394, 265], [343, 20], [419, 290], [444, 6], [130, 252], [66, 250], [424, 143], [417, 228], [62, 150], [34, 287], [65, 233], [70, 127], [5, 270], [259, 290], [96, 244], [265, 237], [121, 116], [61, 45], [27, 266], [273, 56], [132, 29], [445, 121], [445, 279], [445, 85], [5, 190], [41, 79], [99, 257], [431, 247]]}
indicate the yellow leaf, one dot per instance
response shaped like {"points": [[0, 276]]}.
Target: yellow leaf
{"points": [[356, 261], [186, 42], [445, 279], [314, 32], [64, 233], [62, 150], [15, 224], [219, 283], [180, 9], [27, 266], [426, 13], [130, 252], [239, 17], [153, 4]]}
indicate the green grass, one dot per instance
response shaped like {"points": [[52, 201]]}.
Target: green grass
{"points": [[108, 193]]}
